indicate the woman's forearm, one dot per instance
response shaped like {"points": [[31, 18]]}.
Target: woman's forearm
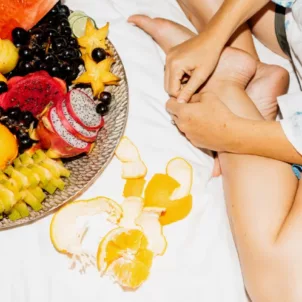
{"points": [[262, 138], [231, 15]]}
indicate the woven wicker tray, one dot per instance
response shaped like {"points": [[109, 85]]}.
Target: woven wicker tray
{"points": [[86, 169]]}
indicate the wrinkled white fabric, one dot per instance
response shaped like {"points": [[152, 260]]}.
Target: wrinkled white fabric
{"points": [[201, 262]]}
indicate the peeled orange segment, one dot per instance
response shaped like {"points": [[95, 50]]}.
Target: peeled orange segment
{"points": [[153, 230], [134, 187], [132, 209], [121, 243], [158, 193], [127, 151], [182, 172], [63, 229], [131, 170], [129, 274]]}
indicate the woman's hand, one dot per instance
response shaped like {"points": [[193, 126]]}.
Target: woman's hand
{"points": [[206, 121], [197, 58]]}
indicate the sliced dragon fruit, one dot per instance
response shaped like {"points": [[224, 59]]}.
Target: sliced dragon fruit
{"points": [[72, 126], [33, 92], [58, 142], [83, 110]]}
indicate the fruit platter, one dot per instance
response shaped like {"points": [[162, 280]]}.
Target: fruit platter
{"points": [[63, 107]]}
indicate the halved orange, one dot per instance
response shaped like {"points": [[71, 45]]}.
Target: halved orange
{"points": [[123, 254]]}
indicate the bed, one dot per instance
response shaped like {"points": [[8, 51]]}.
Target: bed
{"points": [[201, 263]]}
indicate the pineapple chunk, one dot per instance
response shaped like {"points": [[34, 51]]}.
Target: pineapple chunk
{"points": [[14, 215], [31, 200], [7, 198], [22, 208], [22, 180]]}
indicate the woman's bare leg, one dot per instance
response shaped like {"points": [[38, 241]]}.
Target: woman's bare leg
{"points": [[200, 12], [265, 212]]}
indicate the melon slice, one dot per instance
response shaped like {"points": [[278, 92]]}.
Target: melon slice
{"points": [[25, 14]]}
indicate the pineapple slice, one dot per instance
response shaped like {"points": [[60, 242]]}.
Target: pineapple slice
{"points": [[31, 200], [22, 208], [7, 198], [14, 215], [32, 177], [21, 180]]}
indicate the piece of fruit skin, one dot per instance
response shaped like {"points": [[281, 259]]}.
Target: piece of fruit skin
{"points": [[134, 187], [22, 208], [14, 215]]}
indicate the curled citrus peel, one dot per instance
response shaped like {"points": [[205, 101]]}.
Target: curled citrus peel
{"points": [[134, 187], [132, 209], [132, 165], [158, 193], [182, 172], [63, 228], [123, 255], [153, 230]]}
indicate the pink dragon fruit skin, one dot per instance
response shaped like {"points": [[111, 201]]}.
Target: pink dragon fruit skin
{"points": [[83, 110]]}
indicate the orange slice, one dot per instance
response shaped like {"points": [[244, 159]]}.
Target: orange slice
{"points": [[123, 255], [134, 187], [158, 194], [132, 209], [63, 228], [153, 230], [182, 172]]}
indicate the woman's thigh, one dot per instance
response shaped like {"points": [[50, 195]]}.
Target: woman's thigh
{"points": [[263, 27]]}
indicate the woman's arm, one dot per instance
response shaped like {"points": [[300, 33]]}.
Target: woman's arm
{"points": [[198, 56], [262, 138]]}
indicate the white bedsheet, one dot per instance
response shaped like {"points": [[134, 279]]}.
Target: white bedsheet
{"points": [[201, 263]]}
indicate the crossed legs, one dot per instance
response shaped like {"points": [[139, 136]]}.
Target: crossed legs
{"points": [[262, 195]]}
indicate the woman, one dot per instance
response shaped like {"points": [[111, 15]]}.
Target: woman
{"points": [[263, 195]]}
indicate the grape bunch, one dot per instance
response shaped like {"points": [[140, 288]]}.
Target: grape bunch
{"points": [[49, 46], [19, 122]]}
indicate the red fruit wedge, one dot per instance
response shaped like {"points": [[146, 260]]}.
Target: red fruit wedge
{"points": [[58, 142], [83, 110], [72, 126], [25, 14], [33, 92]]}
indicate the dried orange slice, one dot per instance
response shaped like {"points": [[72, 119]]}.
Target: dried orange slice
{"points": [[134, 187], [153, 230], [63, 228], [158, 194], [123, 255], [132, 209], [132, 165], [182, 172]]}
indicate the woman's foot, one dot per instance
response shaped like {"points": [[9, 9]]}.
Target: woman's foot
{"points": [[269, 82], [165, 33]]}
